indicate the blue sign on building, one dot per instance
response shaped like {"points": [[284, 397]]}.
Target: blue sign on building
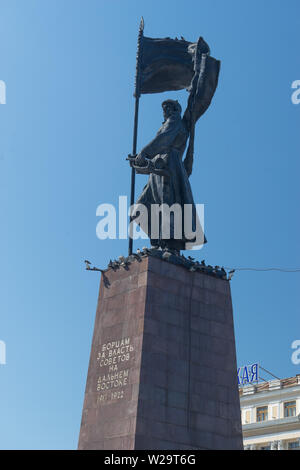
{"points": [[248, 374]]}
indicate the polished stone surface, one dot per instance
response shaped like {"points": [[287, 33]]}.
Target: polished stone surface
{"points": [[162, 371]]}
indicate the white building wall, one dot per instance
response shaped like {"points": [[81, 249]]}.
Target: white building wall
{"points": [[277, 431]]}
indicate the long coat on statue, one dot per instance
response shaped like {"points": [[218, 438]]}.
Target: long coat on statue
{"points": [[173, 188], [167, 148]]}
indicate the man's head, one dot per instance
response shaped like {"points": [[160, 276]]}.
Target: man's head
{"points": [[171, 107]]}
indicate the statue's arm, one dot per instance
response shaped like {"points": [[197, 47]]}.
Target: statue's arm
{"points": [[202, 89], [189, 113]]}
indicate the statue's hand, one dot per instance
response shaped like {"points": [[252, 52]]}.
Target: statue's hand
{"points": [[140, 160]]}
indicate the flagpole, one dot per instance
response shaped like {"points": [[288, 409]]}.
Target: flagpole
{"points": [[135, 126]]}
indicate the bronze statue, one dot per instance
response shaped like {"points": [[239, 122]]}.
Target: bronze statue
{"points": [[173, 64], [165, 152]]}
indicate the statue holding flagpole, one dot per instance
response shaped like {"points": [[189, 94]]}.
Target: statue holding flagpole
{"points": [[163, 65]]}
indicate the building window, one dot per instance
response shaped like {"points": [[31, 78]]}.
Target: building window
{"points": [[289, 409], [248, 417], [267, 447], [262, 413], [294, 445]]}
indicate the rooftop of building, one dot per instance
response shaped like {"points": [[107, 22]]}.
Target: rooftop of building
{"points": [[270, 385]]}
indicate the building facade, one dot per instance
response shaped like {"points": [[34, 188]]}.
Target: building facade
{"points": [[271, 415]]}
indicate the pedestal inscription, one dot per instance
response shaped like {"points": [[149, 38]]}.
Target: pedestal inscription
{"points": [[113, 358]]}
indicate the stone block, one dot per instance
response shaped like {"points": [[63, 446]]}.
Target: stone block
{"points": [[162, 371]]}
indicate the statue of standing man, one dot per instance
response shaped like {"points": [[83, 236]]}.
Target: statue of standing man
{"points": [[168, 185]]}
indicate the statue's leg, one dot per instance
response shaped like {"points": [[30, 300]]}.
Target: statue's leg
{"points": [[174, 246], [155, 244]]}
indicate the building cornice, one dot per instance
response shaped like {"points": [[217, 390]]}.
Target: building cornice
{"points": [[274, 425], [269, 395]]}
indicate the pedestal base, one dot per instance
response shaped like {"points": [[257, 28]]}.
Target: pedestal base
{"points": [[162, 372]]}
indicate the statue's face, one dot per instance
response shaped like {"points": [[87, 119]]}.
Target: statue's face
{"points": [[167, 110]]}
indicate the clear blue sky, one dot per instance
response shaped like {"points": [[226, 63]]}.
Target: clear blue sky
{"points": [[64, 135]]}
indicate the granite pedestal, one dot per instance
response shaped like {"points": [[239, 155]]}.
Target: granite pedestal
{"points": [[162, 372]]}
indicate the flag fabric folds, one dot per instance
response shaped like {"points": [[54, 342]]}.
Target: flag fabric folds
{"points": [[169, 64], [166, 64]]}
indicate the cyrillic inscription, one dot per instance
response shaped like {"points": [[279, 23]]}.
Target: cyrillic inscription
{"points": [[113, 359]]}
